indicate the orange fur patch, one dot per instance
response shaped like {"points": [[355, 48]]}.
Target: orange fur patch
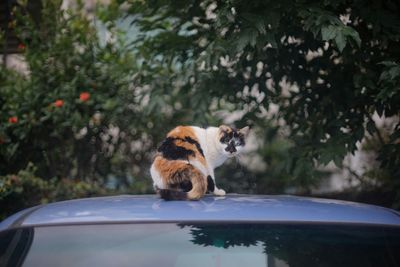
{"points": [[223, 129], [182, 132], [168, 168], [174, 172], [199, 185]]}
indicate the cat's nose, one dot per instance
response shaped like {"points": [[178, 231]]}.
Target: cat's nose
{"points": [[230, 149]]}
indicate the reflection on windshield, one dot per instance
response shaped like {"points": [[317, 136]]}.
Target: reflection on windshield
{"points": [[307, 245], [203, 245]]}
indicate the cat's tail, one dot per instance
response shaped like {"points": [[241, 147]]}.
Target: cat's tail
{"points": [[171, 194], [198, 182], [199, 185]]}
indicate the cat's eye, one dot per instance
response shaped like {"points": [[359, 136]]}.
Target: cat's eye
{"points": [[225, 140], [238, 143]]}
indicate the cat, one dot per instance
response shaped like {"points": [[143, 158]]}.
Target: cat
{"points": [[183, 168]]}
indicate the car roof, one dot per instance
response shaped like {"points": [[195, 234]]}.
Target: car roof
{"points": [[231, 208]]}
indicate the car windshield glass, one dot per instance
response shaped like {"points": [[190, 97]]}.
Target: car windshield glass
{"points": [[205, 245]]}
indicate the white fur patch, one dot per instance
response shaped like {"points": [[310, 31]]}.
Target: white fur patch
{"points": [[197, 164], [157, 180], [219, 192]]}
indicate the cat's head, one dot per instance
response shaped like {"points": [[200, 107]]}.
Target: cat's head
{"points": [[232, 141]]}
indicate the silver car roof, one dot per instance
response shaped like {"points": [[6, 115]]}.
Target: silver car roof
{"points": [[231, 208]]}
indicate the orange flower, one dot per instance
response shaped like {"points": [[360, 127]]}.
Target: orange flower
{"points": [[13, 119], [21, 47], [84, 96], [59, 103]]}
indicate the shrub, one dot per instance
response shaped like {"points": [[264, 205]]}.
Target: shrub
{"points": [[25, 189]]}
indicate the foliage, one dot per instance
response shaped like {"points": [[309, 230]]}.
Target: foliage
{"points": [[25, 189], [328, 65], [73, 113], [61, 114]]}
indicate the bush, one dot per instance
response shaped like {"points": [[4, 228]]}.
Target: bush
{"points": [[25, 189], [74, 109], [73, 114]]}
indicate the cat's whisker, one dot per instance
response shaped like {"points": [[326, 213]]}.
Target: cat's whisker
{"points": [[239, 157], [238, 161]]}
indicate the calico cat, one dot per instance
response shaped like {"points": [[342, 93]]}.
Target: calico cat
{"points": [[184, 165]]}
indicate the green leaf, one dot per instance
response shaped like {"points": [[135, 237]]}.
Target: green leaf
{"points": [[395, 136], [252, 35], [394, 72], [256, 21], [328, 33], [338, 160], [340, 41], [371, 127], [248, 36], [110, 104], [271, 40], [356, 38], [260, 25], [388, 63], [379, 109], [325, 158]]}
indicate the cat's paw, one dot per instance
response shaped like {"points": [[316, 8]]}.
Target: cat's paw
{"points": [[219, 192]]}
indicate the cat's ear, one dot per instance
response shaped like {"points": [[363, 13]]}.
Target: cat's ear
{"points": [[245, 131], [224, 128]]}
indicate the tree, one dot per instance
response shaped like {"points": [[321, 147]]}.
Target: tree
{"points": [[329, 66], [68, 122]]}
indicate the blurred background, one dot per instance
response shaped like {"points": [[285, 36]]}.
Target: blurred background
{"points": [[88, 90]]}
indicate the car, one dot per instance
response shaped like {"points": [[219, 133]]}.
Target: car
{"points": [[234, 230]]}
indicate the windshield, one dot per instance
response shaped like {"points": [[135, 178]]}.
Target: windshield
{"points": [[203, 245]]}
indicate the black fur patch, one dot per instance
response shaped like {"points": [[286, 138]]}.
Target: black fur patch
{"points": [[233, 135], [186, 186], [168, 194], [225, 138], [231, 147], [194, 142], [210, 184], [241, 141], [172, 152]]}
